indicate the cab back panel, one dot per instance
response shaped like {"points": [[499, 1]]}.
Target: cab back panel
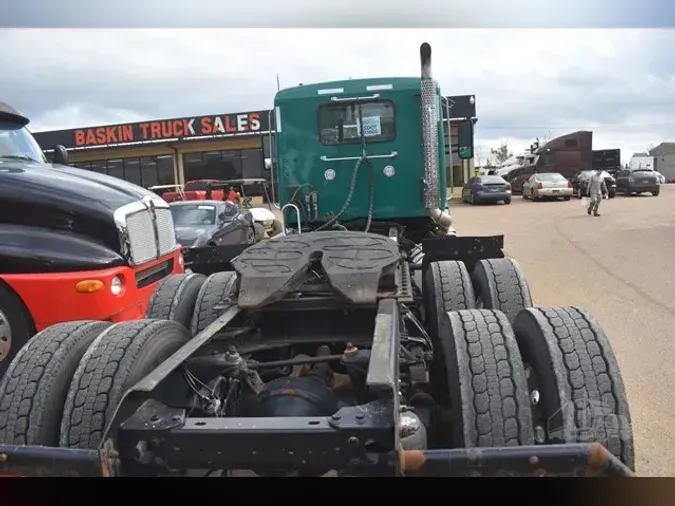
{"points": [[301, 146]]}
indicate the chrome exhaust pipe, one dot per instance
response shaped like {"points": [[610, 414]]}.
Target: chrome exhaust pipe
{"points": [[430, 138]]}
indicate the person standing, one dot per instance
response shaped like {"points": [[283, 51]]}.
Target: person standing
{"points": [[597, 189]]}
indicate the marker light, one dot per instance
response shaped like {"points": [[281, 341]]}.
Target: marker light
{"points": [[89, 285]]}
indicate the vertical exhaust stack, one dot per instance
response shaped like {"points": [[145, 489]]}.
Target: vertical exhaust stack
{"points": [[430, 142]]}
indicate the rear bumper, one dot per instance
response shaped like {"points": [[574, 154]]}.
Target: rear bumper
{"points": [[554, 193], [483, 196], [644, 187], [52, 298], [611, 191], [573, 460]]}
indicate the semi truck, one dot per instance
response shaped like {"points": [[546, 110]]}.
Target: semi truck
{"points": [[74, 244], [370, 338]]}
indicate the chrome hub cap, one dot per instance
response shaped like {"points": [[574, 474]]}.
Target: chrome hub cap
{"points": [[5, 337]]}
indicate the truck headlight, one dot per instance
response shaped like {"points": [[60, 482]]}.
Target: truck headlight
{"points": [[116, 286]]}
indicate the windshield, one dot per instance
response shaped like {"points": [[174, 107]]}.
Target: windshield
{"points": [[492, 180], [16, 142], [192, 186], [550, 177], [184, 216]]}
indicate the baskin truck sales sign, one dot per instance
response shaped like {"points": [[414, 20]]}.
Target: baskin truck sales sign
{"points": [[237, 124]]}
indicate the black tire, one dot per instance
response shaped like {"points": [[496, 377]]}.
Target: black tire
{"points": [[277, 228], [174, 298], [486, 379], [656, 193], [576, 371], [119, 358], [215, 291], [16, 326], [446, 286], [33, 391], [250, 235], [507, 202], [259, 232], [500, 284], [566, 198]]}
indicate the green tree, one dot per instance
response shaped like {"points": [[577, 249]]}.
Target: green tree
{"points": [[502, 153]]}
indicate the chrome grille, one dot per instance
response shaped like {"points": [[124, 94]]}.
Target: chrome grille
{"points": [[145, 237], [166, 234], [141, 234]]}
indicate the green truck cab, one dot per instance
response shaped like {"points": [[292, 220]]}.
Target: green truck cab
{"points": [[321, 150], [361, 150]]}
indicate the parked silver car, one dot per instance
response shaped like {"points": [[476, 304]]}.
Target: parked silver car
{"points": [[547, 185]]}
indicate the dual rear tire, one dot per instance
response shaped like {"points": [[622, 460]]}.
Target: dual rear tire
{"points": [[507, 373], [64, 386]]}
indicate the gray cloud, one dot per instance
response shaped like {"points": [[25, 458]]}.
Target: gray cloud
{"points": [[344, 14], [619, 83]]}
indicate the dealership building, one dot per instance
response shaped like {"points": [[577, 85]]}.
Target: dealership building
{"points": [[174, 151]]}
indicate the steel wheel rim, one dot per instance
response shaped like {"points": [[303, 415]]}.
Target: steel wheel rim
{"points": [[5, 337]]}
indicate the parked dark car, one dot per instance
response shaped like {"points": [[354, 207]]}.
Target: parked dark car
{"points": [[212, 223], [516, 178], [486, 189], [581, 179], [638, 181]]}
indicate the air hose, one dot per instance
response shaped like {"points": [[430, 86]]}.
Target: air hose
{"points": [[352, 185]]}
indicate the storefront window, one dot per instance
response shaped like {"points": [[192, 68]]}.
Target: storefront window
{"points": [[132, 171], [192, 166], [149, 171], [212, 165], [99, 166], [232, 168], [252, 163], [116, 168], [165, 169]]}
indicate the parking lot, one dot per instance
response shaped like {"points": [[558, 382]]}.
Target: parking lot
{"points": [[619, 266]]}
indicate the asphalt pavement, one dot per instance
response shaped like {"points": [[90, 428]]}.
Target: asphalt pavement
{"points": [[621, 267]]}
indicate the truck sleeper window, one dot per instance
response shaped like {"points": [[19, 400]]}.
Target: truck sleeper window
{"points": [[339, 123]]}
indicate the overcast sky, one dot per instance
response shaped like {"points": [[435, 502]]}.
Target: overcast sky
{"points": [[528, 83]]}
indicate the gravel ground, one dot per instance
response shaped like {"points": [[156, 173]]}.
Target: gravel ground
{"points": [[620, 267]]}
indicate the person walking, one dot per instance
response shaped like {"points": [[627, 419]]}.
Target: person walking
{"points": [[597, 189]]}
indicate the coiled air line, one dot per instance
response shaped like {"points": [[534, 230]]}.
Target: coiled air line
{"points": [[352, 184]]}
